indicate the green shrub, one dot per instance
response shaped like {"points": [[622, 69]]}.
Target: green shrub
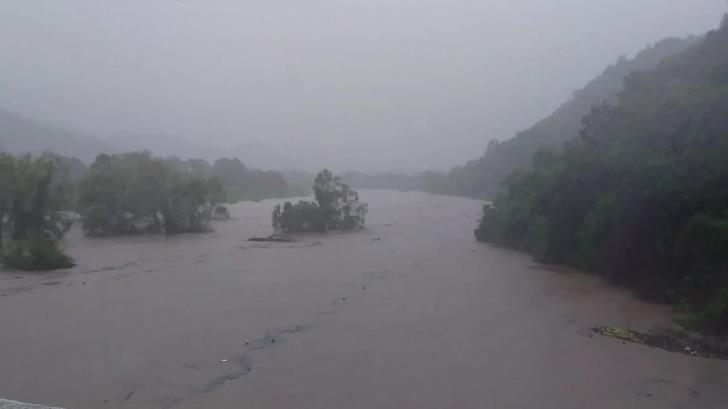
{"points": [[35, 255], [489, 226]]}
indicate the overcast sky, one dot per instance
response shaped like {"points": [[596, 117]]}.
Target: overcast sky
{"points": [[363, 84]]}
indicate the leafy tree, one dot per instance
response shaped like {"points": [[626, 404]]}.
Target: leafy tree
{"points": [[33, 192], [135, 193], [337, 206]]}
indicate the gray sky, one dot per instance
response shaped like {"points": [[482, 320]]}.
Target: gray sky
{"points": [[366, 84]]}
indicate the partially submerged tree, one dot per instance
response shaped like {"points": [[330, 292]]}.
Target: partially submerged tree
{"points": [[135, 193], [336, 207], [32, 193]]}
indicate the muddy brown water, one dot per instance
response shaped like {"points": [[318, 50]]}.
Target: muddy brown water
{"points": [[411, 313]]}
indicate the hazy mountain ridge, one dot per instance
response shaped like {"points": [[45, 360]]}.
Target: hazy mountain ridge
{"points": [[482, 177], [20, 134]]}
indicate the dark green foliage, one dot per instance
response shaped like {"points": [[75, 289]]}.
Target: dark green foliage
{"points": [[242, 183], [641, 195], [337, 206], [483, 177], [135, 193], [33, 191], [35, 255]]}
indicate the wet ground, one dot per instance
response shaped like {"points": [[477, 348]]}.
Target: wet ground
{"points": [[411, 313]]}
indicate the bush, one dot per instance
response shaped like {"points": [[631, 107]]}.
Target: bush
{"points": [[488, 230], [36, 255]]}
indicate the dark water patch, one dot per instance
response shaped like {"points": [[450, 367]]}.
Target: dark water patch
{"points": [[244, 366], [278, 245], [338, 301], [131, 273], [273, 337], [273, 239], [128, 396], [113, 268], [20, 289], [16, 290], [167, 403], [242, 362]]}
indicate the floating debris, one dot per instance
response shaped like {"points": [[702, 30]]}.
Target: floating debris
{"points": [[666, 342], [621, 333]]}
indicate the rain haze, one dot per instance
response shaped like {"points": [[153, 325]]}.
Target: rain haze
{"points": [[373, 85], [337, 204]]}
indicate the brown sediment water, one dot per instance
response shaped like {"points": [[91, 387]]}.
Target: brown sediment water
{"points": [[410, 313]]}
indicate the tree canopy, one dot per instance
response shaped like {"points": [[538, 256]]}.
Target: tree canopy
{"points": [[336, 206], [136, 193], [33, 192]]}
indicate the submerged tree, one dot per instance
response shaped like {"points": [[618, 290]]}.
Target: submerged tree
{"points": [[336, 207], [32, 193], [135, 193]]}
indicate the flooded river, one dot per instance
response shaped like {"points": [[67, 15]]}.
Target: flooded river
{"points": [[411, 313]]}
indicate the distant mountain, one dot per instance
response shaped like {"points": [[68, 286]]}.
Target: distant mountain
{"points": [[482, 177], [19, 135]]}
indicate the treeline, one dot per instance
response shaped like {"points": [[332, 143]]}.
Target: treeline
{"points": [[641, 196], [132, 193], [483, 177], [240, 182]]}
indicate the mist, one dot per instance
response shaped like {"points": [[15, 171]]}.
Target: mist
{"points": [[373, 86]]}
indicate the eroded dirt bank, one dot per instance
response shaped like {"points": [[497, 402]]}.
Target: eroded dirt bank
{"points": [[412, 313]]}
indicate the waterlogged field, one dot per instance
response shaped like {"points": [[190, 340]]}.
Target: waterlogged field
{"points": [[411, 313]]}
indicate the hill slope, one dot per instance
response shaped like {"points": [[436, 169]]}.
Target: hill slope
{"points": [[482, 178], [19, 135], [641, 196]]}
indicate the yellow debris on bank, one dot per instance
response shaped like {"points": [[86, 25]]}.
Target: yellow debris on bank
{"points": [[621, 333]]}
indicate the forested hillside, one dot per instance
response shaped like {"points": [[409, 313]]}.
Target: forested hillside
{"points": [[642, 195], [482, 178]]}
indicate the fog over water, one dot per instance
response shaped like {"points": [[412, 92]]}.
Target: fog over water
{"points": [[369, 85]]}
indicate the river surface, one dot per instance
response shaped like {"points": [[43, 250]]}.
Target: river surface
{"points": [[410, 313]]}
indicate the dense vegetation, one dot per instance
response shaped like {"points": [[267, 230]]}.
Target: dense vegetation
{"points": [[33, 191], [135, 193], [337, 206], [483, 177], [240, 182], [128, 193], [641, 195]]}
